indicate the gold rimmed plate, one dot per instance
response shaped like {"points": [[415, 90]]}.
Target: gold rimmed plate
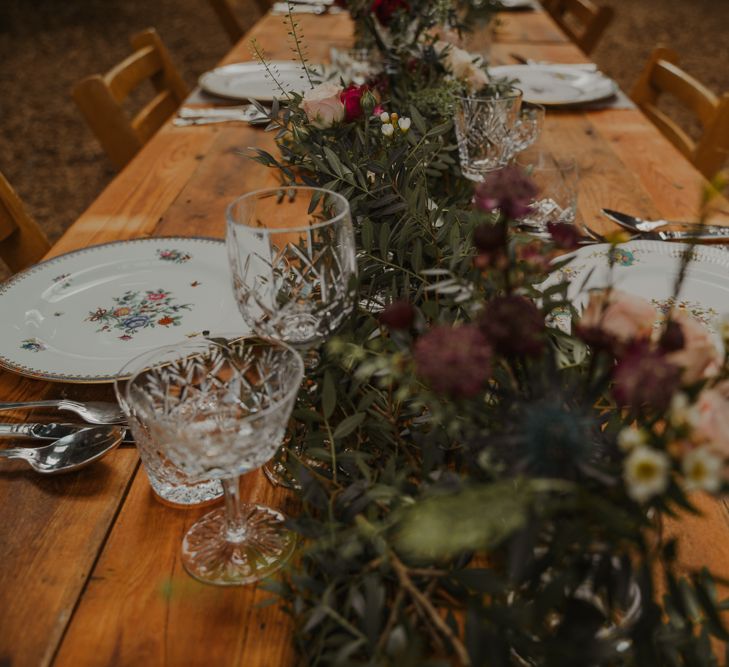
{"points": [[80, 316]]}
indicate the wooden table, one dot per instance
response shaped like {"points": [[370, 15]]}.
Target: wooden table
{"points": [[90, 562]]}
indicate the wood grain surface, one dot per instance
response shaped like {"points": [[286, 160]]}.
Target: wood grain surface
{"points": [[91, 572]]}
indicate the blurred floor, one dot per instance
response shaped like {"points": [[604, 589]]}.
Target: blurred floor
{"points": [[46, 46]]}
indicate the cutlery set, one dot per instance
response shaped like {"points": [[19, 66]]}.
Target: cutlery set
{"points": [[73, 446], [208, 115]]}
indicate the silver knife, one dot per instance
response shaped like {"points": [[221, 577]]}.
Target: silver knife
{"points": [[48, 431], [689, 230]]}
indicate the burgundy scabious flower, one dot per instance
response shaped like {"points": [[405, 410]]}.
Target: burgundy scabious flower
{"points": [[384, 10], [399, 315], [454, 360], [514, 326], [489, 237], [351, 98], [643, 377], [509, 190], [672, 338], [565, 237]]}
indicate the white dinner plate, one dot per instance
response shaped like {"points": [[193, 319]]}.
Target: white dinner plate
{"points": [[251, 80], [648, 269], [557, 85], [80, 317], [517, 4]]}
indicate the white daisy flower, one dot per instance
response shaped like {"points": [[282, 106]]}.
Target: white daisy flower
{"points": [[680, 410], [388, 130], [646, 473], [385, 117], [630, 438], [703, 470], [404, 123]]}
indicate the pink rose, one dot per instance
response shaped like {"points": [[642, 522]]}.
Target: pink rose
{"points": [[352, 99], [711, 421], [699, 358], [621, 316], [323, 106]]}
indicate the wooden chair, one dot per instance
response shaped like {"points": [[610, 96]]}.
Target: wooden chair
{"points": [[100, 98], [22, 242], [230, 21], [582, 21], [662, 75]]}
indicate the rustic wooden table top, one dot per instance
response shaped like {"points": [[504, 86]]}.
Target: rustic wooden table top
{"points": [[90, 570]]}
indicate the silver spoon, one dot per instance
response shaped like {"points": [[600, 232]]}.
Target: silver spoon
{"points": [[69, 453], [94, 412]]}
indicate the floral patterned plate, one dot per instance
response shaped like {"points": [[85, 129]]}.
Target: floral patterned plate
{"points": [[648, 269], [81, 316]]}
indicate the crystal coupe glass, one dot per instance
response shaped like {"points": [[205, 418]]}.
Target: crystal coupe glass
{"points": [[219, 407]]}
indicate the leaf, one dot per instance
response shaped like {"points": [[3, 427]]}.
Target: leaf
{"points": [[328, 395], [475, 518], [334, 161], [480, 579], [367, 234], [384, 240], [348, 425]]}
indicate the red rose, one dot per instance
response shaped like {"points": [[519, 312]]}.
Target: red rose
{"points": [[386, 9], [352, 100]]}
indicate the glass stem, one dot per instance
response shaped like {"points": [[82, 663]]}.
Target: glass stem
{"points": [[235, 522], [311, 358]]}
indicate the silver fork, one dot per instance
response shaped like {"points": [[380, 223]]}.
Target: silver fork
{"points": [[93, 412]]}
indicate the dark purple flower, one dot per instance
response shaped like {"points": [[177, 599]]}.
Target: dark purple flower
{"points": [[644, 378], [513, 325], [398, 315], [509, 190], [454, 360], [672, 338], [597, 338], [386, 9], [565, 237], [489, 237]]}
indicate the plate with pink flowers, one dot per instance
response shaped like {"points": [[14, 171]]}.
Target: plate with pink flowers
{"points": [[81, 316]]}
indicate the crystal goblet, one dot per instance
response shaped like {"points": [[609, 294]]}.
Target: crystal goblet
{"points": [[557, 182], [292, 254], [219, 407], [293, 260], [528, 127], [484, 127]]}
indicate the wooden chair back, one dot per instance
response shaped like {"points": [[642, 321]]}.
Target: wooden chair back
{"points": [[663, 76], [230, 20], [100, 97], [22, 242], [582, 21]]}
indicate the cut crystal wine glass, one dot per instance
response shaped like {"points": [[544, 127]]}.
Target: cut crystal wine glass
{"points": [[484, 127], [293, 260], [219, 407], [292, 254]]}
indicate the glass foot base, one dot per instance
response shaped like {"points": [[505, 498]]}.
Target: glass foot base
{"points": [[209, 557], [277, 473]]}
